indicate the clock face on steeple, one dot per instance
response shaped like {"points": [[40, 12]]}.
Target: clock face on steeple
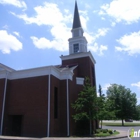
{"points": [[76, 48]]}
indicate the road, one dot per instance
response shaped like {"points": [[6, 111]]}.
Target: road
{"points": [[125, 128], [119, 121], [124, 139], [137, 128]]}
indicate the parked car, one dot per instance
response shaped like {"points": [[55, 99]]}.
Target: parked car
{"points": [[128, 120]]}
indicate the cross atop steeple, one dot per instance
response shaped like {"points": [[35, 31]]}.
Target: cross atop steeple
{"points": [[76, 19]]}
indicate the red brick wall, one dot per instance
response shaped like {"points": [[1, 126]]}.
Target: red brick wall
{"points": [[58, 125], [28, 97], [63, 107], [85, 68]]}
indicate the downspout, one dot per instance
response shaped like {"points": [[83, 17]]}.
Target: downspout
{"points": [[3, 106], [67, 108], [48, 127]]}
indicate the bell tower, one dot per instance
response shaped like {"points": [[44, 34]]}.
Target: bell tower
{"points": [[84, 64], [78, 42]]}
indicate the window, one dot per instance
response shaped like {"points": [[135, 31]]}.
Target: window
{"points": [[76, 48], [93, 75], [55, 102]]}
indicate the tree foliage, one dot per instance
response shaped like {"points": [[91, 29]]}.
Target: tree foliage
{"points": [[86, 104], [100, 91], [137, 114], [123, 101], [103, 107]]}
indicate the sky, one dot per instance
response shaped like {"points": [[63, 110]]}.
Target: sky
{"points": [[35, 34]]}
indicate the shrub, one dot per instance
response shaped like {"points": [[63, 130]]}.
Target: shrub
{"points": [[98, 130], [110, 131], [104, 130]]}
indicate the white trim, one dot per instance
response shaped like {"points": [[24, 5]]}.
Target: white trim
{"points": [[41, 71], [48, 127], [3, 74], [4, 67], [79, 55], [68, 133], [79, 81], [3, 105], [30, 73], [80, 39], [79, 28]]}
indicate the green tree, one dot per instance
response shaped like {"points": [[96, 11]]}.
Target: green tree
{"points": [[103, 107], [123, 101], [86, 104], [100, 91], [137, 115]]}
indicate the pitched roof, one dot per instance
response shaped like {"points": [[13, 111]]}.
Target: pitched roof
{"points": [[4, 67], [76, 19]]}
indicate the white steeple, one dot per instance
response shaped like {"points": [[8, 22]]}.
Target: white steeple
{"points": [[78, 42]]}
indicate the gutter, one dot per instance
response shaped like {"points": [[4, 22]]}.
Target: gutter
{"points": [[3, 105], [68, 109], [48, 127]]}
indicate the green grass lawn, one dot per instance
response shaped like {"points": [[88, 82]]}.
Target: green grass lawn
{"points": [[120, 124], [101, 134]]}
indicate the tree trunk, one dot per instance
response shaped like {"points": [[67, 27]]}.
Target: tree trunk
{"points": [[122, 123], [101, 123], [90, 127]]}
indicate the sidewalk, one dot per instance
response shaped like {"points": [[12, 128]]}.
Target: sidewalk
{"points": [[123, 134]]}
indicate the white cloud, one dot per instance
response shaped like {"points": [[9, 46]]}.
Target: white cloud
{"points": [[84, 22], [16, 33], [136, 84], [9, 42], [113, 24], [84, 19], [43, 16], [95, 11], [102, 18], [102, 32], [130, 43], [102, 48], [43, 43], [87, 6], [93, 46], [98, 49], [122, 10], [58, 27], [17, 3], [92, 37], [104, 88], [66, 11], [5, 27]]}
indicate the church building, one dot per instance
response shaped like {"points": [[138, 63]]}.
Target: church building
{"points": [[37, 102]]}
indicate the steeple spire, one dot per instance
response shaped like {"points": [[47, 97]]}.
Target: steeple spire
{"points": [[78, 43], [76, 19]]}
